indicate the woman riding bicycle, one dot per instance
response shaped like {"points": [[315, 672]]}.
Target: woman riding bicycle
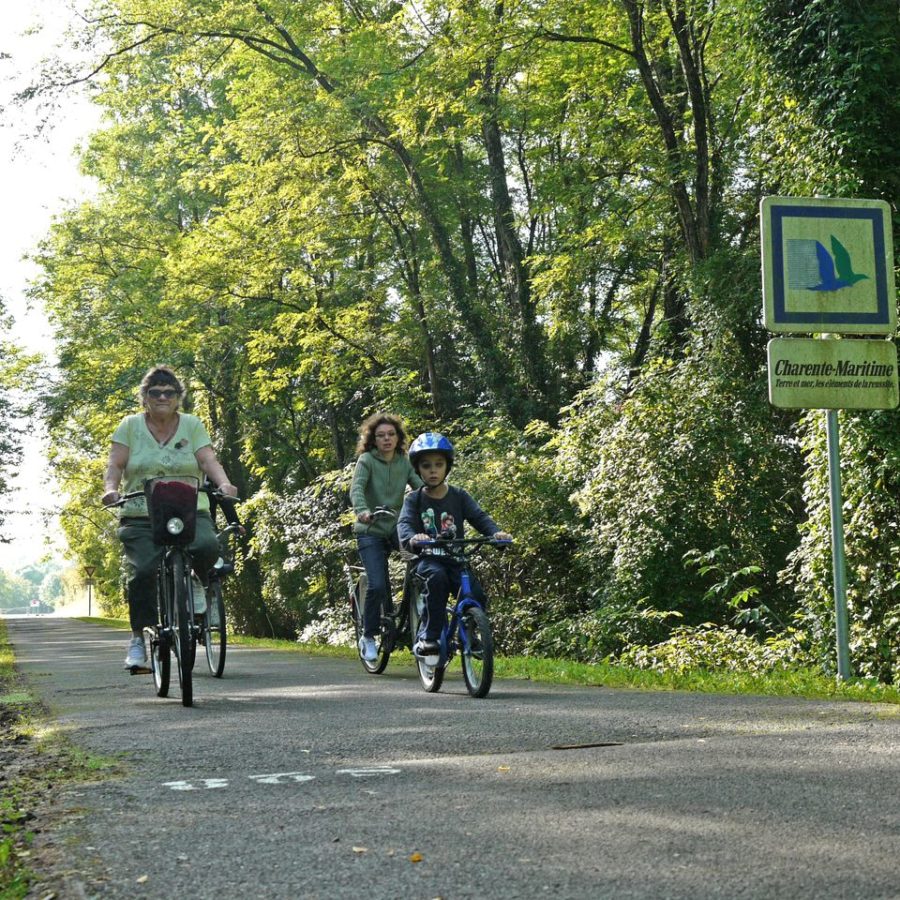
{"points": [[382, 473], [156, 442]]}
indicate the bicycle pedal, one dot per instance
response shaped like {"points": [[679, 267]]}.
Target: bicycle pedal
{"points": [[139, 670]]}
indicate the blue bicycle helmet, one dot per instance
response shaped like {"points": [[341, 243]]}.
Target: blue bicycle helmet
{"points": [[431, 442]]}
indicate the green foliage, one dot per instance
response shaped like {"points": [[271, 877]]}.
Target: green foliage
{"points": [[870, 473], [497, 219], [602, 632], [690, 460], [711, 648]]}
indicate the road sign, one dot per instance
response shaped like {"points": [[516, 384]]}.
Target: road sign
{"points": [[827, 266], [89, 571], [832, 374]]}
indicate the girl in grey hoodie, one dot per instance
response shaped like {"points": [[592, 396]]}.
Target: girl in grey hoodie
{"points": [[382, 473]]}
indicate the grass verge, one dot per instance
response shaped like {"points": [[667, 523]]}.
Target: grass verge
{"points": [[34, 761], [806, 683]]}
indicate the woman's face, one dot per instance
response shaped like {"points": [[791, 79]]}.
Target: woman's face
{"points": [[386, 439], [162, 398]]}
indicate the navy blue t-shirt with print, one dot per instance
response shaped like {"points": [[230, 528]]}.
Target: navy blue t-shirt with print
{"points": [[446, 517]]}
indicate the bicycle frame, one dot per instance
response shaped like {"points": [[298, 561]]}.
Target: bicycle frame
{"points": [[465, 599]]}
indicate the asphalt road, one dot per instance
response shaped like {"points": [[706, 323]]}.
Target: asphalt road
{"points": [[301, 777]]}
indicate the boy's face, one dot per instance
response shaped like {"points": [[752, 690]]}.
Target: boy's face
{"points": [[432, 468]]}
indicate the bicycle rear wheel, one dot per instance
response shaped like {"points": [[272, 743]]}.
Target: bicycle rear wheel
{"points": [[384, 640], [214, 638], [432, 677], [477, 652], [182, 639], [160, 661], [413, 604]]}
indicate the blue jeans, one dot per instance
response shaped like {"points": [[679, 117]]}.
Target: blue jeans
{"points": [[442, 580], [374, 552]]}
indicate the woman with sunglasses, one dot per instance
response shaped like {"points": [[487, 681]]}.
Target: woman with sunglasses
{"points": [[160, 440]]}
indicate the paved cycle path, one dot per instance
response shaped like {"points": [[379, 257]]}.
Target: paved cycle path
{"points": [[302, 777]]}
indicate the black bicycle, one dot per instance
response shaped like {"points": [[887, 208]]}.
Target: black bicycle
{"points": [[398, 624], [172, 508]]}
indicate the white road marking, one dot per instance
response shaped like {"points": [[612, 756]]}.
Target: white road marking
{"points": [[370, 772], [205, 783], [281, 777]]}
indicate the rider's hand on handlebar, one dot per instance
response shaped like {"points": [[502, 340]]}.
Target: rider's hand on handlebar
{"points": [[110, 498], [502, 536], [365, 517], [417, 539], [228, 490]]}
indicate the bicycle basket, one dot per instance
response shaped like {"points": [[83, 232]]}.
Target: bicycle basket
{"points": [[172, 504]]}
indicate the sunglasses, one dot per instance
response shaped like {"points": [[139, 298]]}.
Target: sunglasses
{"points": [[163, 393]]}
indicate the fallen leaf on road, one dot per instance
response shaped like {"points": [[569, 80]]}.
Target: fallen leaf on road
{"points": [[142, 879], [416, 857], [360, 849], [502, 768]]}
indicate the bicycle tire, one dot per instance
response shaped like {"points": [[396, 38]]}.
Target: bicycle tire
{"points": [[432, 677], [412, 602], [477, 652], [215, 640], [383, 640], [181, 630], [160, 661]]}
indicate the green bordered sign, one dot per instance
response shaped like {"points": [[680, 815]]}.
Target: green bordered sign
{"points": [[832, 374], [827, 266]]}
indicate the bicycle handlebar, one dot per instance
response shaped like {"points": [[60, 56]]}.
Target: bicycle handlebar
{"points": [[459, 542], [232, 529], [213, 492]]}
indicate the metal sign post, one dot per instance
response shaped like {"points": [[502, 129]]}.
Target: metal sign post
{"points": [[838, 565], [89, 572], [828, 266]]}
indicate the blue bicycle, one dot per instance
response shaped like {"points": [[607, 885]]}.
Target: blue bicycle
{"points": [[468, 629]]}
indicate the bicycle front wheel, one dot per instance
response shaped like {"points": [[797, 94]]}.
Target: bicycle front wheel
{"points": [[214, 629], [477, 652], [182, 639]]}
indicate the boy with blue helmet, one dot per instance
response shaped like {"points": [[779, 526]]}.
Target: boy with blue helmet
{"points": [[433, 511]]}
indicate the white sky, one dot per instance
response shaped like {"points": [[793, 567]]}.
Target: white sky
{"points": [[38, 178]]}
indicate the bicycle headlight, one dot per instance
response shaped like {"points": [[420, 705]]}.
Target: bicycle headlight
{"points": [[175, 525], [219, 563]]}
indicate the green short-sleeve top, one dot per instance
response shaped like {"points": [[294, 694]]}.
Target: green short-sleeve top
{"points": [[147, 458]]}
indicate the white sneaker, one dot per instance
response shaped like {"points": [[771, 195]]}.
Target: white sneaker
{"points": [[199, 596], [367, 649], [137, 654]]}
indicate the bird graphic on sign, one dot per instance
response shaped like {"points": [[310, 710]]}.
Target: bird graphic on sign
{"points": [[835, 272]]}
